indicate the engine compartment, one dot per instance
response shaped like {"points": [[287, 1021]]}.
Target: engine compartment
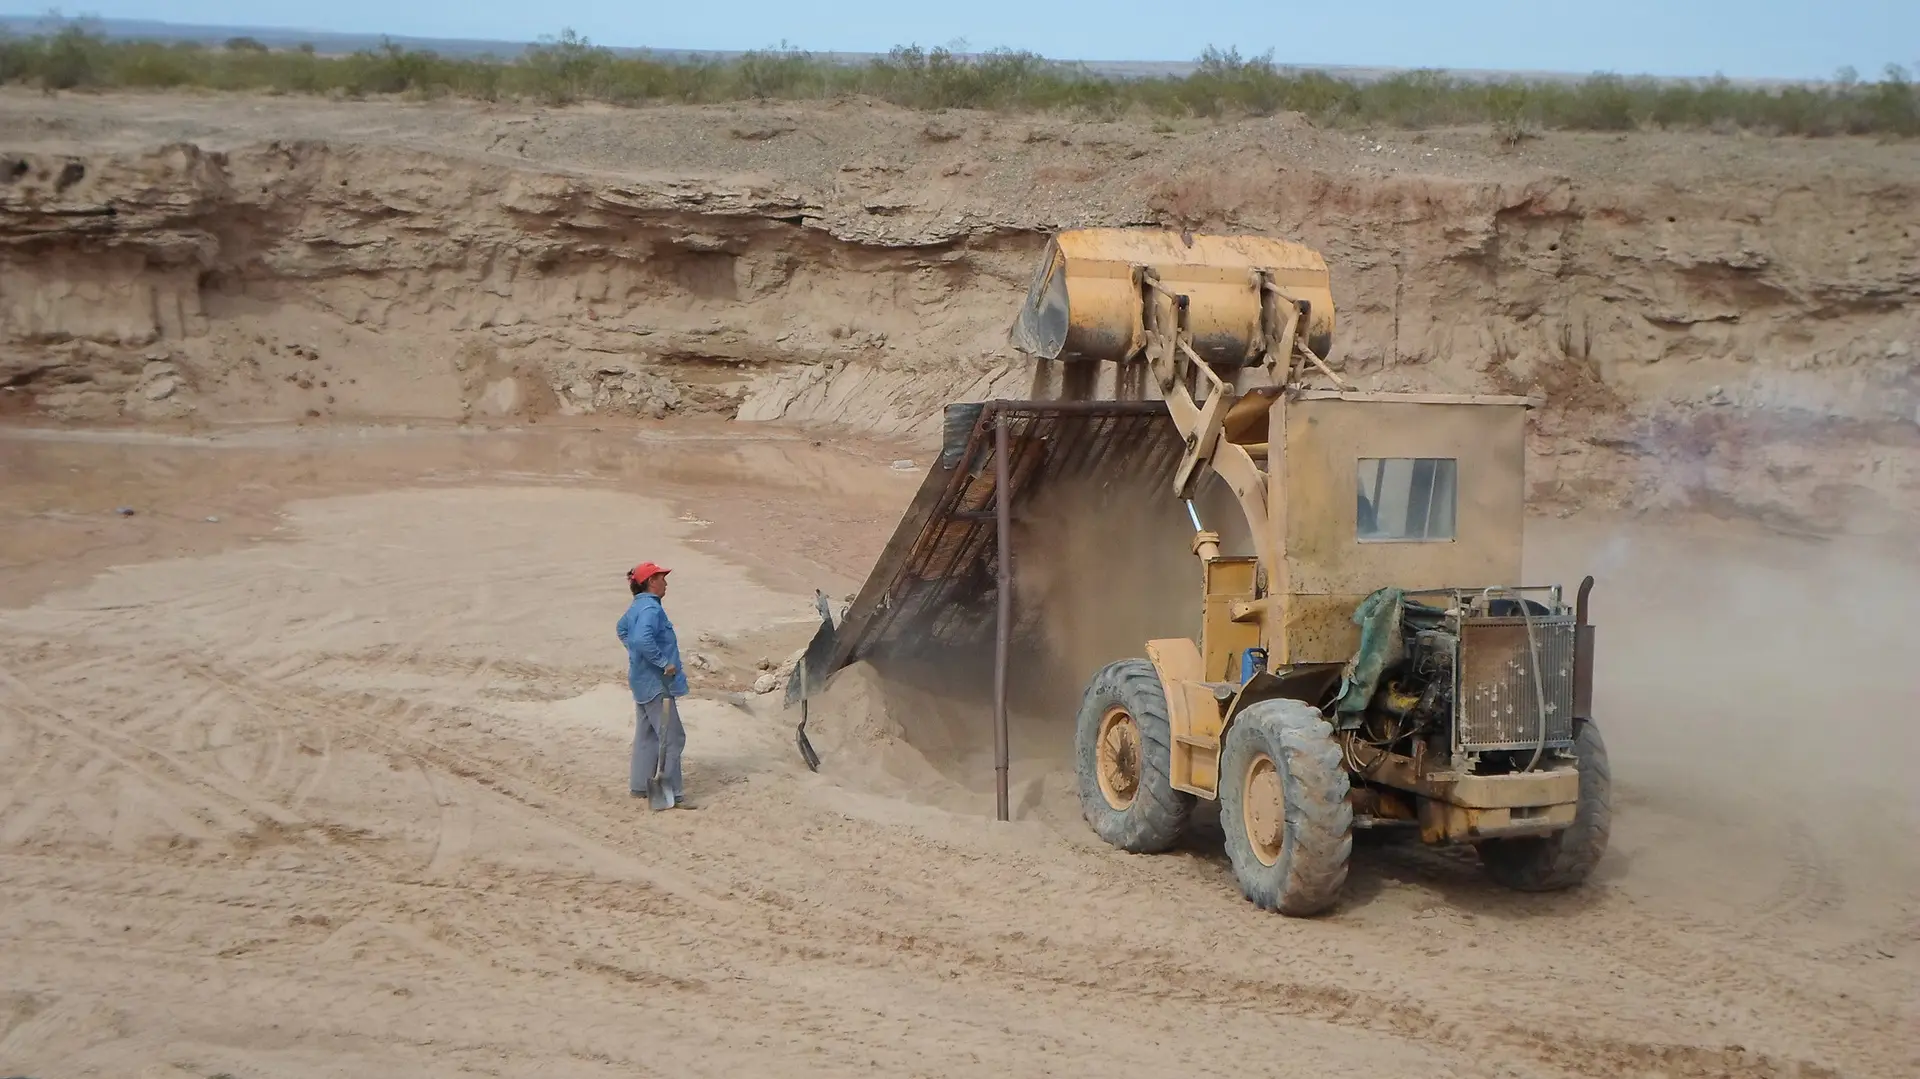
{"points": [[1478, 684]]}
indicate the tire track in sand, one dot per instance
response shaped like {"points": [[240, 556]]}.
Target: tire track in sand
{"points": [[861, 944], [789, 932]]}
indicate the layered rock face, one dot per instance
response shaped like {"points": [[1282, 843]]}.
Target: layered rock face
{"points": [[1727, 323]]}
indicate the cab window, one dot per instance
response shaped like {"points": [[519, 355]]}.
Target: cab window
{"points": [[1405, 499]]}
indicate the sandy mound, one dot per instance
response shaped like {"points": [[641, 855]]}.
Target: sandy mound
{"points": [[927, 736], [849, 720], [856, 725]]}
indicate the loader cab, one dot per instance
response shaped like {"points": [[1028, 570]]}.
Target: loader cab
{"points": [[1386, 490]]}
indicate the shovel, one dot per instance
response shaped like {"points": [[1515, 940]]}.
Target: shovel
{"points": [[819, 652], [800, 733]]}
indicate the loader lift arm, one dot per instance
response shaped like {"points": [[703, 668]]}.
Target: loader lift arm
{"points": [[1178, 369]]}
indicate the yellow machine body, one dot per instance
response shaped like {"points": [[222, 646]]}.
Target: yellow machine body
{"points": [[1232, 330]]}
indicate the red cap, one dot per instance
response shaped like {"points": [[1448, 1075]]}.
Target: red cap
{"points": [[644, 572]]}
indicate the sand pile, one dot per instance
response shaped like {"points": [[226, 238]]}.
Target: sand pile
{"points": [[848, 720], [925, 734], [1108, 566], [859, 723]]}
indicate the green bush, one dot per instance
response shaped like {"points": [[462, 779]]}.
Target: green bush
{"points": [[569, 68]]}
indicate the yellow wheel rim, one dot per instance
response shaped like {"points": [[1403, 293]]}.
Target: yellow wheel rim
{"points": [[1118, 753], [1263, 809]]}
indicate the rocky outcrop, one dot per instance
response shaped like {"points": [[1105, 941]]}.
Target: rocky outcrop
{"points": [[1750, 347]]}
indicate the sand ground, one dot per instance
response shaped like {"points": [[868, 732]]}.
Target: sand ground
{"points": [[332, 786]]}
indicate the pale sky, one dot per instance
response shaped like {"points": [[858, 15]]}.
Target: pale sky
{"points": [[1737, 38]]}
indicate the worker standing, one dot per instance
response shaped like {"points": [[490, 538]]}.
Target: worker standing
{"points": [[655, 675]]}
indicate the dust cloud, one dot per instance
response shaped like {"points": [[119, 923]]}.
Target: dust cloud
{"points": [[1100, 567], [1762, 674], [1106, 566], [1753, 688], [1103, 575], [1752, 668]]}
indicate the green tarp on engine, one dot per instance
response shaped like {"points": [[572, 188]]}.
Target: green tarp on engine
{"points": [[1381, 646]]}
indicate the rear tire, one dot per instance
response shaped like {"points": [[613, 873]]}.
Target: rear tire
{"points": [[1565, 858], [1284, 809], [1122, 741]]}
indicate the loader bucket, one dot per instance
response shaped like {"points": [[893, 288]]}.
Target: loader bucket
{"points": [[1084, 302], [933, 586]]}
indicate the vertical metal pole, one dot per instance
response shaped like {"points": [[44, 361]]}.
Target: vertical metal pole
{"points": [[1003, 626]]}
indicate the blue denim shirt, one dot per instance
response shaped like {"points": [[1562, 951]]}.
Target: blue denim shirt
{"points": [[651, 648]]}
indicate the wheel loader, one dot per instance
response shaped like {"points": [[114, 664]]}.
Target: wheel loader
{"points": [[1368, 654]]}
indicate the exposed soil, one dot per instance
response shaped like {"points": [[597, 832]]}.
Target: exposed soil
{"points": [[1717, 323], [803, 513], [338, 792]]}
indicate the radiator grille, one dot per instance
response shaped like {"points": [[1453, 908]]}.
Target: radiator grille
{"points": [[1497, 706]]}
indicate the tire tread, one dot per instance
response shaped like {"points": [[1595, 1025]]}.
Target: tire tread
{"points": [[1312, 868], [1158, 816], [1565, 859]]}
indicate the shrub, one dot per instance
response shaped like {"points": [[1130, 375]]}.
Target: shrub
{"points": [[570, 68]]}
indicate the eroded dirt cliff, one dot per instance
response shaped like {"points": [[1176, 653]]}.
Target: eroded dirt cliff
{"points": [[1720, 322]]}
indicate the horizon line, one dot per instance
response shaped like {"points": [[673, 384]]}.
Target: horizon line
{"points": [[504, 49]]}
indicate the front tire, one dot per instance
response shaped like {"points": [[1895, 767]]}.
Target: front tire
{"points": [[1122, 741], [1284, 809], [1567, 857]]}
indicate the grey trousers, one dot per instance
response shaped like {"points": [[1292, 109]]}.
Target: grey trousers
{"points": [[658, 739]]}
